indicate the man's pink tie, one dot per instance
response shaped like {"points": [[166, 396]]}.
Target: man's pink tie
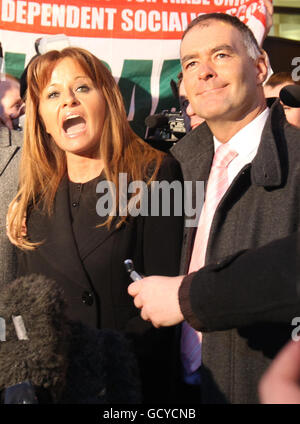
{"points": [[216, 187]]}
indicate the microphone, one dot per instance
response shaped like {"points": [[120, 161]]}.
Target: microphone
{"points": [[131, 271], [33, 346], [290, 95], [47, 358], [102, 368], [156, 121]]}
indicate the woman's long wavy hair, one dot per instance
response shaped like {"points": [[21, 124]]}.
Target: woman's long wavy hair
{"points": [[43, 164]]}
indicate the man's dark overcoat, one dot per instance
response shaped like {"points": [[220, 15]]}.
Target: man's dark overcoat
{"points": [[261, 205]]}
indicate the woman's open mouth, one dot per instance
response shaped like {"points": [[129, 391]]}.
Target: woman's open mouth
{"points": [[74, 125]]}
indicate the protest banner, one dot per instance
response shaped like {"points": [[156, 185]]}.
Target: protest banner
{"points": [[137, 39]]}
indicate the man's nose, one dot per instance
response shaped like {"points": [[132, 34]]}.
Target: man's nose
{"points": [[206, 71]]}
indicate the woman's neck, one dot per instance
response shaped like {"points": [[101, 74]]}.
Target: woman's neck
{"points": [[82, 169]]}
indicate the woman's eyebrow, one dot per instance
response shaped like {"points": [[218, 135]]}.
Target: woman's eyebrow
{"points": [[76, 78]]}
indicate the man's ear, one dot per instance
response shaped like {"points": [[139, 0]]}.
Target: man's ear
{"points": [[262, 65]]}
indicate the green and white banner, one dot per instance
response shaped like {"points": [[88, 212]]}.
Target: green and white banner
{"points": [[138, 39]]}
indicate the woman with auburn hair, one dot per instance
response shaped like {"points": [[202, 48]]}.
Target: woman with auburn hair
{"points": [[77, 137]]}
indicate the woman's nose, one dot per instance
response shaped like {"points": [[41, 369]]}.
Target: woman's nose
{"points": [[70, 98]]}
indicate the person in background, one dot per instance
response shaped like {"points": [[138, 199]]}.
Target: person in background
{"points": [[11, 107], [11, 104], [273, 87], [77, 143], [191, 120]]}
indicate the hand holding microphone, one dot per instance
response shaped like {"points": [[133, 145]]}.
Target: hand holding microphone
{"points": [[131, 271]]}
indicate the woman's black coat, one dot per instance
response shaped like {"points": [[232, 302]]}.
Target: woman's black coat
{"points": [[93, 275]]}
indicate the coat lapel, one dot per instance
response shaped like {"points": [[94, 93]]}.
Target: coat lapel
{"points": [[59, 247], [97, 237], [267, 169], [195, 153], [87, 225]]}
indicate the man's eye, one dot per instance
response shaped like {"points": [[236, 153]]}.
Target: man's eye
{"points": [[16, 106], [221, 55], [190, 65], [19, 105]]}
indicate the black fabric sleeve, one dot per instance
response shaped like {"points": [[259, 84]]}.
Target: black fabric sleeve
{"points": [[250, 287], [161, 238], [162, 254]]}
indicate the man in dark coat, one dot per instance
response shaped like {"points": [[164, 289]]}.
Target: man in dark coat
{"points": [[241, 300]]}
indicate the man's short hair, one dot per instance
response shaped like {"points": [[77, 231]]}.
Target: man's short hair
{"points": [[250, 42], [280, 78]]}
